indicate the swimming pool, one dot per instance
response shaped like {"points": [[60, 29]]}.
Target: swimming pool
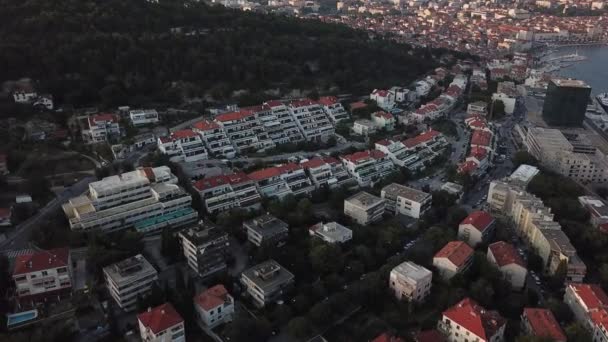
{"points": [[20, 317]]}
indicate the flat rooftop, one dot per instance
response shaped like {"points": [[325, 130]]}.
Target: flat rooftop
{"points": [[268, 275], [364, 199], [129, 269], [525, 173], [406, 192], [411, 270], [267, 225]]}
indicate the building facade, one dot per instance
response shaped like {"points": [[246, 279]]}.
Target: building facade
{"points": [[410, 282], [404, 200], [129, 279], [161, 324], [266, 230], [266, 282], [476, 228], [214, 306], [183, 146], [566, 102], [468, 321], [225, 192], [455, 257], [505, 258], [364, 208], [205, 247]]}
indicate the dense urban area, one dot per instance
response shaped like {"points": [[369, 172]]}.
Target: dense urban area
{"points": [[301, 170]]}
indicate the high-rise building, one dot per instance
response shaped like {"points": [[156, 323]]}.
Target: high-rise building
{"points": [[129, 279], [205, 247], [566, 102]]}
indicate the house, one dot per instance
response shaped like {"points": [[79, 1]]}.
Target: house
{"points": [[205, 248], [282, 180], [5, 217], [410, 282], [3, 165], [143, 116], [476, 228], [467, 320], [383, 120], [385, 99], [183, 146], [333, 108], [215, 139], [266, 230], [368, 167], [477, 108], [513, 269], [264, 283], [100, 128], [483, 139], [214, 306], [161, 324], [404, 200], [455, 257], [327, 172], [331, 232], [42, 275], [314, 124], [364, 127], [585, 299], [224, 192], [453, 189], [541, 322], [507, 93], [128, 280], [364, 208]]}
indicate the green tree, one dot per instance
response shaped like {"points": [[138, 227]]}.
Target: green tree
{"points": [[577, 332], [326, 258], [524, 157], [299, 327]]}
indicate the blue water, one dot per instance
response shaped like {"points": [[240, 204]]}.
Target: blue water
{"points": [[594, 70], [21, 317]]}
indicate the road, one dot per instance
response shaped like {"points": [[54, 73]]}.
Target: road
{"points": [[19, 238]]}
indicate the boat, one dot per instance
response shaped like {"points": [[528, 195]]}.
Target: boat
{"points": [[603, 100]]}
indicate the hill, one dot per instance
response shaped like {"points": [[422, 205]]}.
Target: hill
{"points": [[117, 52]]}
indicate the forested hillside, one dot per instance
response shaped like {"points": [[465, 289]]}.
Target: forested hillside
{"points": [[112, 51]]}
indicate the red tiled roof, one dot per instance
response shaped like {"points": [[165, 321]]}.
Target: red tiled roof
{"points": [[383, 142], [457, 252], [467, 167], [331, 160], [328, 100], [386, 337], [273, 171], [274, 103], [103, 117], [591, 295], [478, 152], [421, 138], [160, 318], [184, 133], [482, 138], [600, 318], [5, 213], [474, 318], [357, 105], [361, 155], [479, 219], [383, 114], [505, 254], [380, 92], [429, 336], [212, 182], [206, 125], [301, 103], [212, 297], [313, 163], [42, 260], [232, 116], [543, 324], [477, 124], [256, 109]]}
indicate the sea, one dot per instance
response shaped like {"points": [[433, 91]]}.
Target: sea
{"points": [[593, 70]]}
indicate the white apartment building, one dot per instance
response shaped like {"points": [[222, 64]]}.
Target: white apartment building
{"points": [[244, 131], [224, 192], [513, 269], [100, 128], [183, 146], [147, 199], [507, 93], [129, 279], [280, 181], [161, 324], [143, 116], [476, 228], [455, 257], [399, 154], [410, 282], [266, 117], [384, 120], [266, 230], [468, 321], [205, 248], [215, 138], [364, 127], [327, 171], [289, 128], [385, 99], [311, 119], [214, 306], [42, 275], [404, 200], [427, 146], [331, 232], [364, 208], [368, 167], [264, 283], [333, 108]]}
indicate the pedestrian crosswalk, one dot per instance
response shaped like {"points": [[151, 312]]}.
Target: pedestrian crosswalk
{"points": [[16, 253]]}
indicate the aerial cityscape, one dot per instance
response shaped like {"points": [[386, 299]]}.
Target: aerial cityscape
{"points": [[304, 170]]}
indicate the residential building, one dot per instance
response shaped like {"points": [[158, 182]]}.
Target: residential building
{"points": [[289, 130], [453, 189], [476, 228], [513, 269], [477, 108], [311, 119], [399, 154], [224, 192], [266, 230], [100, 128], [507, 93], [42, 275], [364, 127], [364, 208], [161, 324], [468, 321], [384, 120], [333, 109], [129, 279], [410, 282], [598, 211], [143, 116], [331, 232], [183, 146], [455, 257], [215, 139], [244, 131], [385, 99], [566, 102], [585, 299], [368, 167], [146, 199], [3, 164], [264, 283], [541, 322], [327, 172], [5, 217], [282, 180], [205, 247], [214, 306], [404, 200], [428, 146]]}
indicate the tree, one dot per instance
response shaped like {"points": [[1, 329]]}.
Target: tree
{"points": [[299, 327], [524, 157], [560, 310], [577, 332], [320, 314], [326, 258], [498, 109], [170, 248], [483, 292]]}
